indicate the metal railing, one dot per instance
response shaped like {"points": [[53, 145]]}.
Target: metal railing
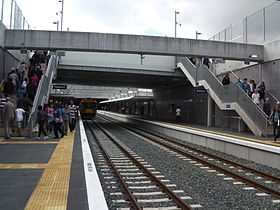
{"points": [[254, 29], [43, 90], [11, 15], [227, 94]]}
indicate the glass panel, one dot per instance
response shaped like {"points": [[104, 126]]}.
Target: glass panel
{"points": [[228, 34], [237, 32], [217, 37], [7, 13], [255, 28], [272, 21], [222, 36]]}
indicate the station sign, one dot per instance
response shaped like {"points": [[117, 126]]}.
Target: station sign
{"points": [[23, 51], [200, 90], [59, 86]]}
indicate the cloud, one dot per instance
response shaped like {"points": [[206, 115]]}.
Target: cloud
{"points": [[154, 17]]}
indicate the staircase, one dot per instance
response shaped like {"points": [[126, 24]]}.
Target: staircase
{"points": [[229, 97]]}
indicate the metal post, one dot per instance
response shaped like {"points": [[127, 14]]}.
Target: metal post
{"points": [[11, 15], [196, 34], [23, 23], [245, 38], [2, 11], [176, 23], [264, 38], [62, 2]]}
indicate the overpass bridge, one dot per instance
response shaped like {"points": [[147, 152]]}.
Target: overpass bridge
{"points": [[79, 72], [133, 44]]}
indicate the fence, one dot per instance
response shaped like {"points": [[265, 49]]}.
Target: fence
{"points": [[257, 28], [12, 16]]}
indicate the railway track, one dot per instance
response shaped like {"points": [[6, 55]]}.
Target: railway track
{"points": [[142, 186], [265, 183]]}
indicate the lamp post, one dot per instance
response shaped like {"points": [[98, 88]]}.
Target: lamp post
{"points": [[57, 24], [2, 10], [176, 13], [196, 34], [61, 21]]}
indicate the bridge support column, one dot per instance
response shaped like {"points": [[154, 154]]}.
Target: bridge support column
{"points": [[210, 111]]}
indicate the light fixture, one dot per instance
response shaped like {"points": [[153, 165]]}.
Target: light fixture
{"points": [[253, 56]]}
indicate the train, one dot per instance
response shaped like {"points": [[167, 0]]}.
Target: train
{"points": [[88, 107]]}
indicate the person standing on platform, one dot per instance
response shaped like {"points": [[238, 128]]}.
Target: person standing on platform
{"points": [[66, 116], [274, 119], [58, 121], [178, 114], [41, 120], [3, 101], [142, 110], [8, 117], [73, 116], [19, 115]]}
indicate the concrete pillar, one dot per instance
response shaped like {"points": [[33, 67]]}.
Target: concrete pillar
{"points": [[210, 111]]}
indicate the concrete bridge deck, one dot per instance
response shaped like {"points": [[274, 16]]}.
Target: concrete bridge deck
{"points": [[134, 44]]}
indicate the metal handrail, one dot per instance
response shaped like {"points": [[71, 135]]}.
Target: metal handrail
{"points": [[228, 93], [42, 91]]}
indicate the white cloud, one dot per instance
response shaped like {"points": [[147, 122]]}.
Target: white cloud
{"points": [[154, 17]]}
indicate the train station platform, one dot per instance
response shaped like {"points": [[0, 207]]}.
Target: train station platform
{"points": [[61, 174], [49, 174], [261, 150]]}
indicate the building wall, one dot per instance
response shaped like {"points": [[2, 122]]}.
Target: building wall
{"points": [[193, 105], [2, 34], [7, 61]]}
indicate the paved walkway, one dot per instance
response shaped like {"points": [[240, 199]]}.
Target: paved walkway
{"points": [[40, 174]]}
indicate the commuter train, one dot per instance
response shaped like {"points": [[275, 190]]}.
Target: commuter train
{"points": [[88, 107]]}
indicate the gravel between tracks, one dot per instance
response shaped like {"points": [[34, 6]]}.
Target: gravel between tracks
{"points": [[208, 189]]}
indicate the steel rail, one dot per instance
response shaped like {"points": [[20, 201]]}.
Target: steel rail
{"points": [[261, 187], [176, 199], [131, 197], [237, 165]]}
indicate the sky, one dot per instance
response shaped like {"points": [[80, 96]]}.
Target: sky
{"points": [[145, 17]]}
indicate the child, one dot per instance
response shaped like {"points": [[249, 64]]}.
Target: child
{"points": [[19, 112]]}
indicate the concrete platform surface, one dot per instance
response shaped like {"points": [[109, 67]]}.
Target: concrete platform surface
{"points": [[45, 174]]}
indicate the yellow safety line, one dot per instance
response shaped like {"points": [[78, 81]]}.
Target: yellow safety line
{"points": [[22, 166], [225, 134], [52, 190], [29, 142]]}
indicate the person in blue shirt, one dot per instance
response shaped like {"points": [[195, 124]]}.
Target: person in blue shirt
{"points": [[58, 120], [246, 86]]}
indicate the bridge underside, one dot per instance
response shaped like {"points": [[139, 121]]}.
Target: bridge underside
{"points": [[118, 78]]}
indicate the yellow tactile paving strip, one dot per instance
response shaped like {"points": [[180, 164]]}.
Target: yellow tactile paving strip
{"points": [[22, 166], [269, 142], [28, 142], [52, 190]]}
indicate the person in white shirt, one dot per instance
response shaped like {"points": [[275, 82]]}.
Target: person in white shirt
{"points": [[19, 115], [256, 97], [178, 113]]}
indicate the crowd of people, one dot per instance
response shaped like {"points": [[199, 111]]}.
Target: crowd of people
{"points": [[255, 91], [258, 94], [18, 91], [55, 119]]}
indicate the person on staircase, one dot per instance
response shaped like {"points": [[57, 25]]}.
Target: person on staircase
{"points": [[275, 121]]}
